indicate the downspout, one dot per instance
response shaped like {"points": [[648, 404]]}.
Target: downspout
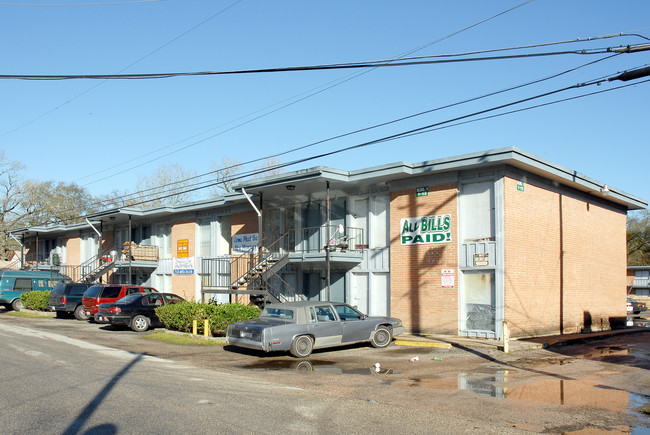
{"points": [[22, 248], [259, 218], [99, 241]]}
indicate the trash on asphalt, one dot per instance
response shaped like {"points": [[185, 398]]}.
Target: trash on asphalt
{"points": [[435, 358], [415, 358]]}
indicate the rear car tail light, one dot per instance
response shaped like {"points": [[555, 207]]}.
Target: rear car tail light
{"points": [[63, 300], [115, 310]]}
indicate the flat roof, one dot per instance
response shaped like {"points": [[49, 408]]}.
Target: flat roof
{"points": [[380, 175]]}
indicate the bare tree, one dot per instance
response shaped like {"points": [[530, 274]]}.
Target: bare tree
{"points": [[267, 167], [169, 185], [224, 176], [638, 238]]}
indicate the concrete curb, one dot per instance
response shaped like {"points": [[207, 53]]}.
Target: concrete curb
{"points": [[423, 344]]}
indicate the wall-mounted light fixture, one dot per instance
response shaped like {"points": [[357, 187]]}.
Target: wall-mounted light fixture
{"points": [[605, 190], [112, 218], [290, 187]]}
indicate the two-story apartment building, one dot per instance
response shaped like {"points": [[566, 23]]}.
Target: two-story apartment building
{"points": [[451, 246]]}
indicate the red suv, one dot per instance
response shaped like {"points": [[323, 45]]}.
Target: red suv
{"points": [[99, 294]]}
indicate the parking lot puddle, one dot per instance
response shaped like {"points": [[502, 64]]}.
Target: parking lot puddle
{"points": [[307, 366], [515, 385]]}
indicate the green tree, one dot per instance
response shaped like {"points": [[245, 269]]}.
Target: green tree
{"points": [[638, 238]]}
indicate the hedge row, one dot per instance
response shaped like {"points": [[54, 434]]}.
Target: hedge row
{"points": [[179, 317], [35, 300]]}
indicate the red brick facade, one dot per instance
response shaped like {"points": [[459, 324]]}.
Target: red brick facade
{"points": [[417, 296], [565, 262]]}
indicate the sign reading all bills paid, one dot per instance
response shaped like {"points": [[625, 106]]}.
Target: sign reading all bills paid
{"points": [[426, 229]]}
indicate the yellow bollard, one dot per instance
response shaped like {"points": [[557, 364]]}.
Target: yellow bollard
{"points": [[194, 327], [206, 328]]}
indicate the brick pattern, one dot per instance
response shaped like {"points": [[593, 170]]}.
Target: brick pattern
{"points": [[417, 296], [184, 285], [546, 291]]}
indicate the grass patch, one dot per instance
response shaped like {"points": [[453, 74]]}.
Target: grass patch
{"points": [[183, 339], [645, 410], [29, 314]]}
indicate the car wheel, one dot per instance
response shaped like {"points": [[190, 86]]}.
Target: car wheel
{"points": [[79, 313], [302, 346], [17, 304], [140, 323], [381, 337]]}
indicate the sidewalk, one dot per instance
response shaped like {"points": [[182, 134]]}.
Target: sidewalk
{"points": [[449, 341]]}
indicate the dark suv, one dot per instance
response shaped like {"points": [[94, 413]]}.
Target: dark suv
{"points": [[65, 299], [100, 294]]}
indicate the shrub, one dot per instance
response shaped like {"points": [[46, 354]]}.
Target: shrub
{"points": [[36, 300], [179, 317]]}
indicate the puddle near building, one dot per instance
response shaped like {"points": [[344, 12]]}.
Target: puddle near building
{"points": [[318, 366], [515, 385]]}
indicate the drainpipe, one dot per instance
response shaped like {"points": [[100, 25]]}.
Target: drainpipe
{"points": [[130, 253], [22, 248], [99, 241], [259, 218], [327, 247]]}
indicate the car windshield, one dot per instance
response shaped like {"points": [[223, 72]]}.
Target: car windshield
{"points": [[277, 313]]}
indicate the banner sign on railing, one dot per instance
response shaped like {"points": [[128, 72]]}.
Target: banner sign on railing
{"points": [[245, 243]]}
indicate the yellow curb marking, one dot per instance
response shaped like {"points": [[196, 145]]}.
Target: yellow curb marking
{"points": [[422, 343]]}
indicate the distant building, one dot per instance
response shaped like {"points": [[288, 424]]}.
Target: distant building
{"points": [[451, 246], [638, 281]]}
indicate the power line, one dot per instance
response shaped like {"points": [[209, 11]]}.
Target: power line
{"points": [[123, 69], [304, 95], [419, 130], [422, 60], [370, 127]]}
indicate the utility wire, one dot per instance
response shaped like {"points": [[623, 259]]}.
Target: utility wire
{"points": [[366, 128], [303, 96], [436, 126], [120, 71], [625, 76], [369, 64]]}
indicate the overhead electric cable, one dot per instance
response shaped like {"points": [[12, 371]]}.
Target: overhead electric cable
{"points": [[122, 70], [632, 74], [370, 127], [308, 93], [355, 65]]}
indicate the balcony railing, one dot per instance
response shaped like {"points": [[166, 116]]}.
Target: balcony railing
{"points": [[222, 272]]}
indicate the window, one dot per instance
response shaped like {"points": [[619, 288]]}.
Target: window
{"points": [[111, 292], [278, 313], [347, 313], [78, 290], [477, 211], [132, 290], [325, 314], [23, 284]]}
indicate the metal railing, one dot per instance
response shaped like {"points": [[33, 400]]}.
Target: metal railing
{"points": [[228, 272]]}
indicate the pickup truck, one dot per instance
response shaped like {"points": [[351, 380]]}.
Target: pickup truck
{"points": [[300, 327]]}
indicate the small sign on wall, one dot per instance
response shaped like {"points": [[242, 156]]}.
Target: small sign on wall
{"points": [[183, 266], [245, 243], [447, 278], [422, 191], [482, 259], [183, 248]]}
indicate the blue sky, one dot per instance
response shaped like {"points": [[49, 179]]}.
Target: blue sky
{"points": [[84, 131]]}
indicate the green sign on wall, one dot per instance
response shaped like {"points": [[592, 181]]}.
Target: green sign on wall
{"points": [[422, 191]]}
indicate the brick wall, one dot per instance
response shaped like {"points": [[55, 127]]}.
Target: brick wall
{"points": [[184, 285], [417, 296], [545, 291]]}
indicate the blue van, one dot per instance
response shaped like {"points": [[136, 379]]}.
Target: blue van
{"points": [[14, 282]]}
